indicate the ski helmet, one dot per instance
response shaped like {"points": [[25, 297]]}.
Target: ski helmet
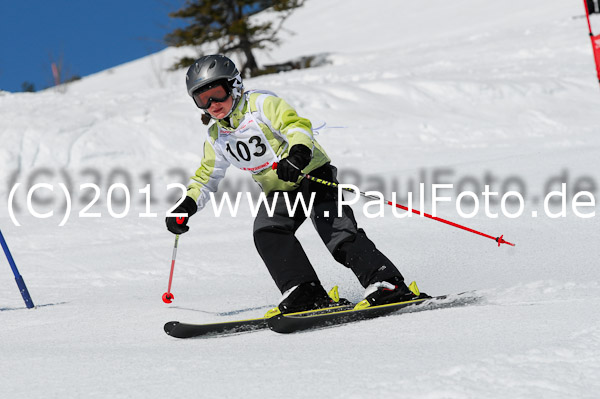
{"points": [[214, 69]]}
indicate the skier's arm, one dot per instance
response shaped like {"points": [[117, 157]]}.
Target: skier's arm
{"points": [[208, 176], [285, 121], [296, 131], [206, 180]]}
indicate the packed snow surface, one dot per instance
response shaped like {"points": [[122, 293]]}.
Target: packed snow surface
{"points": [[465, 92]]}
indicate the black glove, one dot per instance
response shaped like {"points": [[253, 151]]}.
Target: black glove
{"points": [[178, 225], [289, 168]]}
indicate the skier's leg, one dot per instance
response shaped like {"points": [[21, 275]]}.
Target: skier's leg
{"points": [[278, 246], [348, 244]]}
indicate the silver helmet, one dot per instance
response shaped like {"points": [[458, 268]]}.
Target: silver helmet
{"points": [[212, 69]]}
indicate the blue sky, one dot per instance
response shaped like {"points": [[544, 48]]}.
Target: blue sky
{"points": [[90, 36]]}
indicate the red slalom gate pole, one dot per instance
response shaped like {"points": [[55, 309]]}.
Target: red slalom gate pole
{"points": [[595, 40], [499, 240], [167, 296]]}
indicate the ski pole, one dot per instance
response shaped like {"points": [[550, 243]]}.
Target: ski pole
{"points": [[499, 240], [595, 44], [18, 277], [167, 296]]}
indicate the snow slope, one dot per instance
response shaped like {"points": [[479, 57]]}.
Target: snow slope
{"points": [[471, 92]]}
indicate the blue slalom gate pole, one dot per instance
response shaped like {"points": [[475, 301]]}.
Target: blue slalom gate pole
{"points": [[18, 277]]}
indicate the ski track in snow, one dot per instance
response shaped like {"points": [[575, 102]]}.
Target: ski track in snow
{"points": [[465, 88]]}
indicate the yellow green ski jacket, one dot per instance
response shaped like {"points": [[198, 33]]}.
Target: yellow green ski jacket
{"points": [[259, 132]]}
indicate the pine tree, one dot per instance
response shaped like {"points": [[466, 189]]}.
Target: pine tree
{"points": [[27, 87], [227, 23]]}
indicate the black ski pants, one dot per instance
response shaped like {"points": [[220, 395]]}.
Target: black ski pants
{"points": [[283, 254]]}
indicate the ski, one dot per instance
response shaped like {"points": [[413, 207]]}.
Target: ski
{"points": [[186, 330], [290, 323]]}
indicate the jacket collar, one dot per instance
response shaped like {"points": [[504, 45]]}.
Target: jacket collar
{"points": [[237, 115]]}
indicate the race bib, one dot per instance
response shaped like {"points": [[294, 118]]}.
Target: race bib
{"points": [[247, 147]]}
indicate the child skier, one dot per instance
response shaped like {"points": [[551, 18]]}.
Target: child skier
{"points": [[252, 130]]}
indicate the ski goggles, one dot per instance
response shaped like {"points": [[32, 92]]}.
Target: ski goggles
{"points": [[204, 97]]}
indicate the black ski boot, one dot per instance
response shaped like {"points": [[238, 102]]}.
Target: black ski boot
{"points": [[392, 291], [307, 296]]}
